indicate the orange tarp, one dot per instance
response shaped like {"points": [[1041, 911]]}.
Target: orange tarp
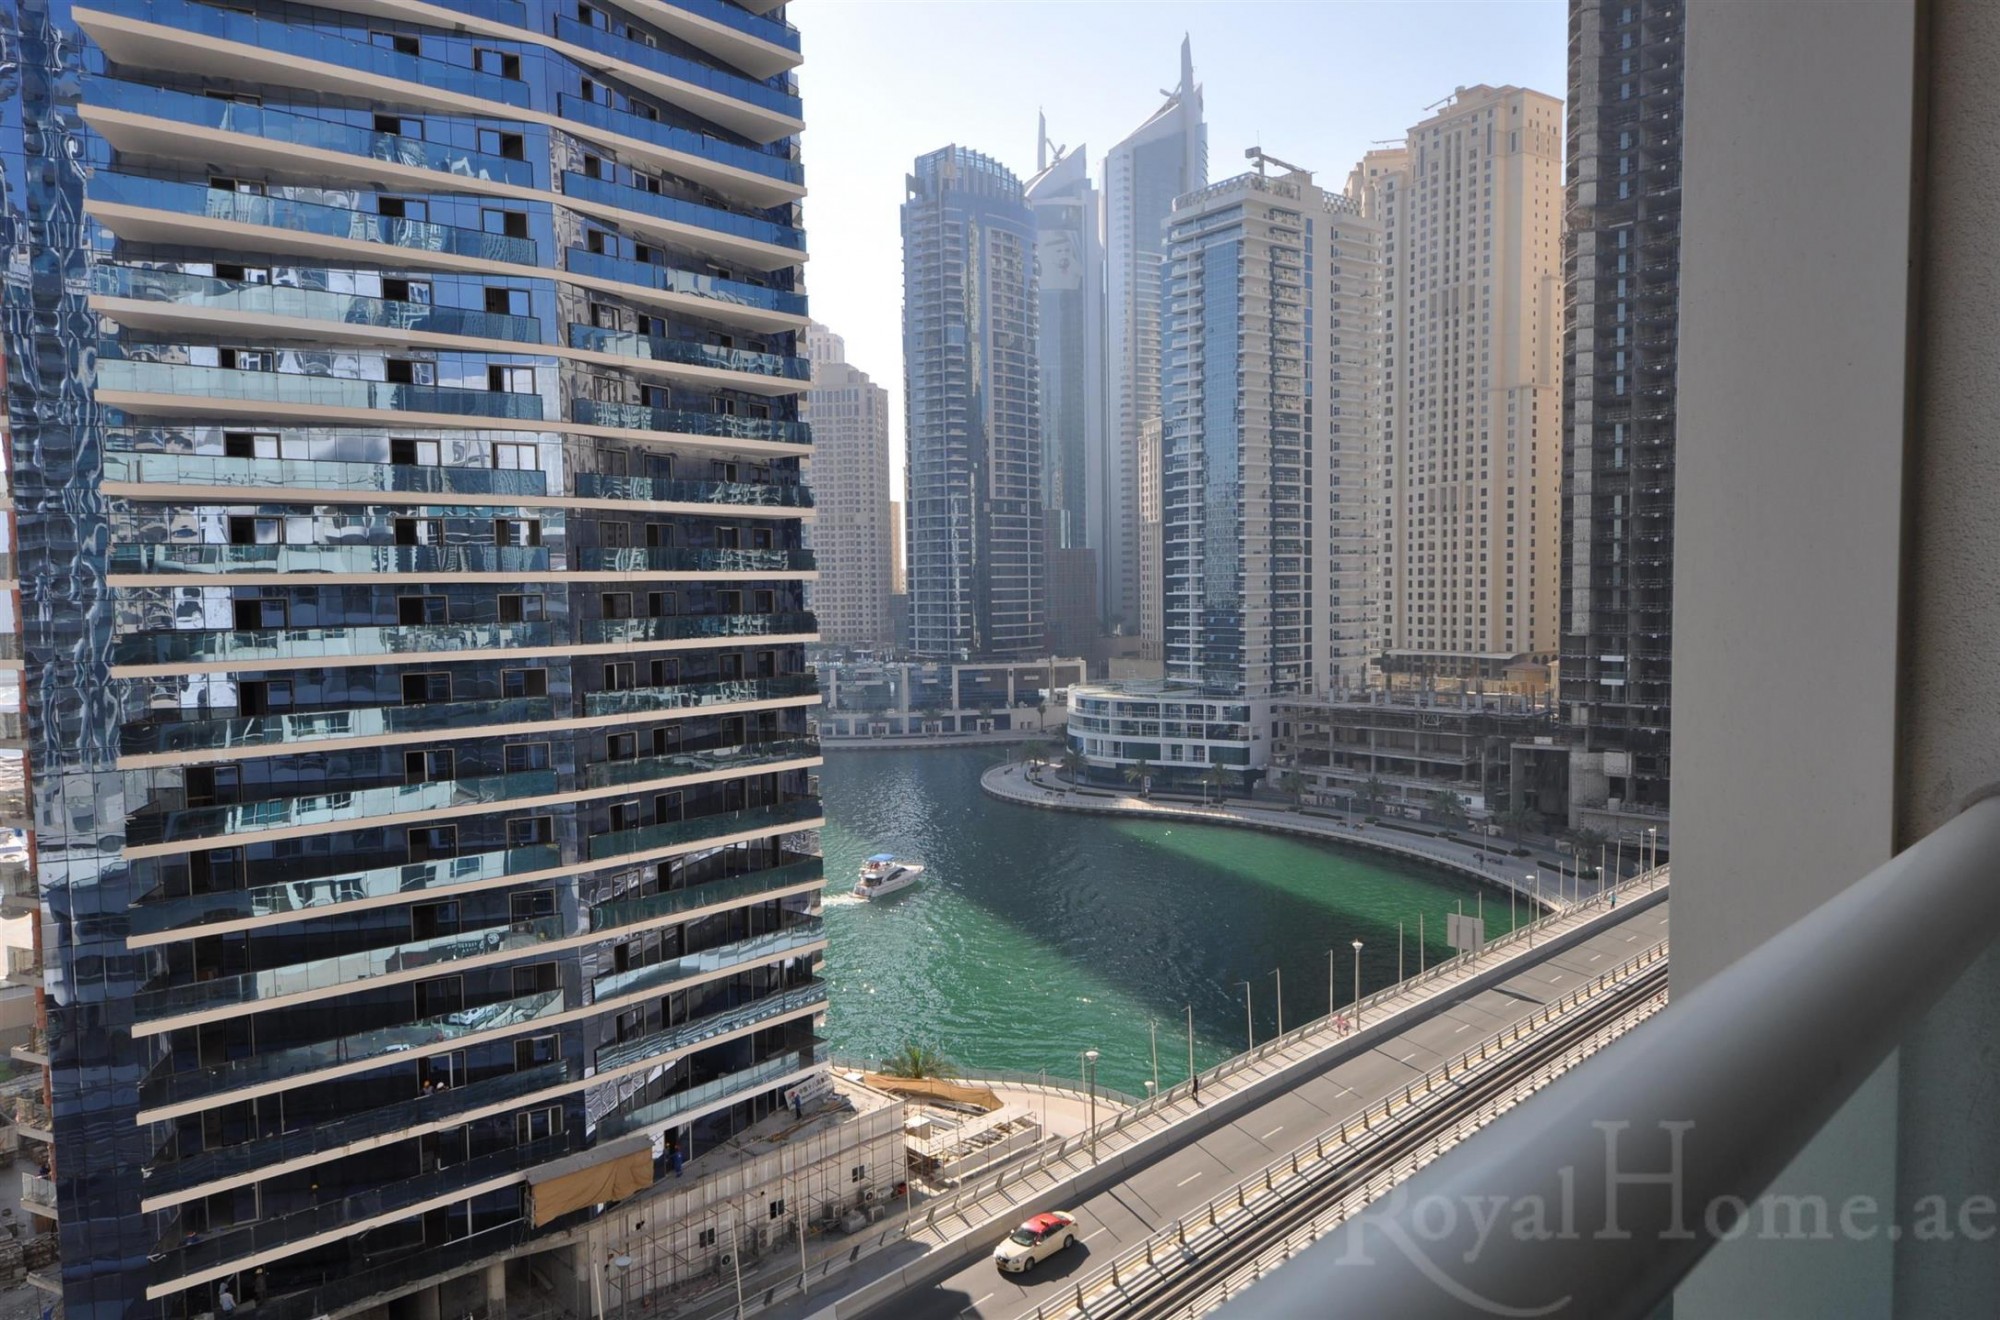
{"points": [[935, 1088], [594, 1177]]}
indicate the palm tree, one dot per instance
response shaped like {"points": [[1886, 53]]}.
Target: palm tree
{"points": [[1514, 819], [1293, 785], [1447, 807], [1217, 778], [917, 1061], [1374, 792], [1138, 773], [1073, 764]]}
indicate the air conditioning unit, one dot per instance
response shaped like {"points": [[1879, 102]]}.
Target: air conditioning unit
{"points": [[725, 1260], [867, 1195]]}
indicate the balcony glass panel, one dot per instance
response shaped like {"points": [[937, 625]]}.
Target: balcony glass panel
{"points": [[785, 495], [422, 1110], [694, 626], [674, 833], [164, 818], [310, 392], [301, 474], [765, 27], [639, 417], [583, 188], [681, 69], [382, 1043], [745, 756], [692, 1035], [736, 1083], [652, 348], [801, 933], [211, 559], [757, 160], [635, 911], [630, 700], [193, 199], [297, 896], [278, 126], [329, 1216], [325, 643], [200, 291], [667, 279], [642, 560], [352, 970]]}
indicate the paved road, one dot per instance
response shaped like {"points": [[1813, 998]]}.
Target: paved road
{"points": [[1152, 1198]]}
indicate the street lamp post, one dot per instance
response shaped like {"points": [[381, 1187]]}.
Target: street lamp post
{"points": [[623, 1263], [1153, 1026], [1330, 1003], [1357, 985], [1399, 953], [1249, 1026], [1279, 972], [1535, 879], [1090, 1058], [1190, 1017], [1652, 848]]}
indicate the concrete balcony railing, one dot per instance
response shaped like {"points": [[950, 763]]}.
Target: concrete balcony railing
{"points": [[38, 1194], [33, 1120], [20, 893], [34, 1051]]}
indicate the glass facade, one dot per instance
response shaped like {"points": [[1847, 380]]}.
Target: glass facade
{"points": [[403, 459], [973, 395]]}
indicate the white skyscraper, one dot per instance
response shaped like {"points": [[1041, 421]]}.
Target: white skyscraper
{"points": [[1471, 381], [853, 534], [1164, 158]]}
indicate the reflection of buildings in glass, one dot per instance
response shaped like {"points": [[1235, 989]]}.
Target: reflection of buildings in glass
{"points": [[413, 629]]}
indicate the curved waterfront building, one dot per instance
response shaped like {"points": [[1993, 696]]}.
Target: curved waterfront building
{"points": [[404, 457]]}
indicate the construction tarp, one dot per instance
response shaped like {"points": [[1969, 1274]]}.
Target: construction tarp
{"points": [[935, 1088], [610, 1172]]}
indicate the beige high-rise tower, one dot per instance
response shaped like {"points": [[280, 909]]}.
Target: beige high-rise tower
{"points": [[853, 535], [1471, 461]]}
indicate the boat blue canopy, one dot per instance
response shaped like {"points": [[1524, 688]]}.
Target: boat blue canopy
{"points": [[883, 857]]}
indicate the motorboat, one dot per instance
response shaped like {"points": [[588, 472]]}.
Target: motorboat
{"points": [[884, 874]]}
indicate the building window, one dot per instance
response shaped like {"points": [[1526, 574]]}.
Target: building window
{"points": [[524, 682], [520, 758], [499, 63]]}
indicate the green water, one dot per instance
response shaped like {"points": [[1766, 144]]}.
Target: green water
{"points": [[1036, 934]]}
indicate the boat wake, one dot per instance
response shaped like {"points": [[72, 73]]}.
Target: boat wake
{"points": [[841, 901]]}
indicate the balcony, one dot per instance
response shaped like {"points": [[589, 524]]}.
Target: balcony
{"points": [[686, 352], [24, 968], [746, 756], [20, 893], [694, 215], [419, 1114], [287, 474], [595, 559], [188, 1256], [722, 824], [756, 110], [301, 896], [38, 1195], [688, 696], [343, 316], [669, 279], [351, 971], [140, 119], [244, 649], [384, 1045], [730, 890], [773, 163], [178, 390], [695, 627], [728, 426], [768, 1073], [35, 1050], [207, 560], [291, 224], [693, 1035], [32, 1119]]}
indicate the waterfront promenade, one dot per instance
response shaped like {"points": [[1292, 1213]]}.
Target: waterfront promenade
{"points": [[1492, 862]]}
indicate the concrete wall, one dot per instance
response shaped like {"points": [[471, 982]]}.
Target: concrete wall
{"points": [[1838, 580], [1799, 151]]}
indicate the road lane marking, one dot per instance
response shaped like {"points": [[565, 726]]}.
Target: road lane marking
{"points": [[1190, 1178], [1595, 956], [1272, 1133], [976, 1305], [1461, 1027]]}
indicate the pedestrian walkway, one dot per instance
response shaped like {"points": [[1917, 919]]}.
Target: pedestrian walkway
{"points": [[876, 1267], [1377, 1016], [1555, 886]]}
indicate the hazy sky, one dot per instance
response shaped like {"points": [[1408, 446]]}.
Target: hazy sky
{"points": [[1314, 82]]}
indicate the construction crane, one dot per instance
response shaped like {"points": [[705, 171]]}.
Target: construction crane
{"points": [[1257, 154]]}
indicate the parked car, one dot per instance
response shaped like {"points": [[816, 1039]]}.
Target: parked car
{"points": [[1035, 1241]]}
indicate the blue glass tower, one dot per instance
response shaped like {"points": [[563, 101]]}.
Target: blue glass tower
{"points": [[404, 467]]}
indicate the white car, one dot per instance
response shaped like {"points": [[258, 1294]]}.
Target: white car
{"points": [[1035, 1241]]}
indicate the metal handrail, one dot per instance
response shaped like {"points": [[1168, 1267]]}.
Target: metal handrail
{"points": [[1728, 1086], [1058, 1151], [1363, 1127]]}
